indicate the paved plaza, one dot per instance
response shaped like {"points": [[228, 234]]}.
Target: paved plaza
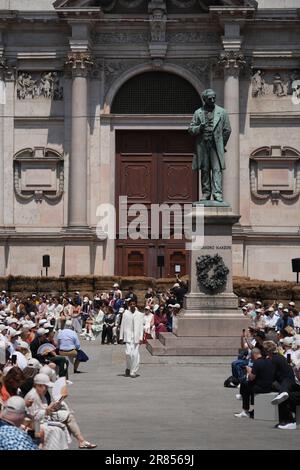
{"points": [[176, 403]]}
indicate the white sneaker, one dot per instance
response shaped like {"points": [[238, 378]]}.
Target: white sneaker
{"points": [[287, 426], [242, 414], [280, 398], [238, 396]]}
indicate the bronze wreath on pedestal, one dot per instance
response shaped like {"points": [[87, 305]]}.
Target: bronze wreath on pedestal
{"points": [[211, 272]]}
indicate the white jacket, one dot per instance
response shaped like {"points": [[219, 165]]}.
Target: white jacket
{"points": [[132, 322]]}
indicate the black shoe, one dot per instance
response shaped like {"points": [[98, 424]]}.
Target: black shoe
{"points": [[77, 371], [251, 414], [127, 372]]}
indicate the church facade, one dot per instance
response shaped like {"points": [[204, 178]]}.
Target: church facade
{"points": [[95, 100]]}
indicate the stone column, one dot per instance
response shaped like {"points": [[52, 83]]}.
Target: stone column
{"points": [[232, 62], [2, 112], [80, 64]]}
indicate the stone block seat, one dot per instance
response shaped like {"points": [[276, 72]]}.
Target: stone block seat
{"points": [[263, 408], [298, 415]]}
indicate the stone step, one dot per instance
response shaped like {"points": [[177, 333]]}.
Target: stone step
{"points": [[228, 342], [156, 348]]}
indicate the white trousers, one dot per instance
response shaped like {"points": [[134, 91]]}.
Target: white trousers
{"points": [[132, 357]]}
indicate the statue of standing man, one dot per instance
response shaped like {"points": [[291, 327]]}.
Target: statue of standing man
{"points": [[211, 125]]}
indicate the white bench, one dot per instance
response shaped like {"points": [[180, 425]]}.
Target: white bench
{"points": [[263, 408]]}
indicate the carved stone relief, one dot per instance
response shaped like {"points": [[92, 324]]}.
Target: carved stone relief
{"points": [[199, 68], [38, 174], [193, 36], [232, 61], [275, 173], [158, 21], [79, 63], [39, 85], [276, 84], [114, 68], [121, 37]]}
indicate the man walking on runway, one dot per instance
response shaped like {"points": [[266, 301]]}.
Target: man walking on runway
{"points": [[131, 333]]}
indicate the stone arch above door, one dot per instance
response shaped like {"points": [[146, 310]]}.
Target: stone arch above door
{"points": [[187, 75]]}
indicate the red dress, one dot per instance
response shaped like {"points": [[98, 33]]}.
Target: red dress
{"points": [[160, 322]]}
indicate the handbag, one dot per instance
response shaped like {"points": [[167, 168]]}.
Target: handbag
{"points": [[81, 356]]}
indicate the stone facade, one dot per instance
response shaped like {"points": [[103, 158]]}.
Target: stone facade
{"points": [[62, 65]]}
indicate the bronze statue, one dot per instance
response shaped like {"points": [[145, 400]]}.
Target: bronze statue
{"points": [[212, 127]]}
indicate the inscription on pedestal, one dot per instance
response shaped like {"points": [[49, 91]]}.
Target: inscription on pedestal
{"points": [[212, 247]]}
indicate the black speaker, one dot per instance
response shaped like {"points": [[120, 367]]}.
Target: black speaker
{"points": [[296, 265], [46, 261], [160, 261]]}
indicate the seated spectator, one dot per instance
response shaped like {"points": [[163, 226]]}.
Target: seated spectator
{"points": [[131, 295], [86, 312], [238, 367], [169, 313], [160, 320], [116, 328], [259, 322], [116, 290], [149, 294], [294, 314], [69, 345], [149, 328], [75, 314], [108, 324], [97, 326], [284, 379], [11, 382], [286, 409], [64, 414], [175, 315], [284, 321], [56, 437], [260, 379], [11, 418]]}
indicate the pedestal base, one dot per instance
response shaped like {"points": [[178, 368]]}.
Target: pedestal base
{"points": [[169, 344]]}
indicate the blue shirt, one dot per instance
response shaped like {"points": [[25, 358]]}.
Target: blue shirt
{"points": [[13, 438], [67, 340]]}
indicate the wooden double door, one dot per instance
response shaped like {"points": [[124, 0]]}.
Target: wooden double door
{"points": [[152, 167]]}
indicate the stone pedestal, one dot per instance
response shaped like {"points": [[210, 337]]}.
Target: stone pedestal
{"points": [[210, 322], [213, 313]]}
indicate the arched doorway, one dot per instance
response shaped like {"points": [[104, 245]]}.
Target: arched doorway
{"points": [[154, 167]]}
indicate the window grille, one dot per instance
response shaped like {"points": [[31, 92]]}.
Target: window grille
{"points": [[156, 93]]}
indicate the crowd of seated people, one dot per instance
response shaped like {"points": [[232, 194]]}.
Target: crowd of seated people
{"points": [[269, 359]]}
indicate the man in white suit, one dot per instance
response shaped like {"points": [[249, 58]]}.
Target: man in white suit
{"points": [[131, 333]]}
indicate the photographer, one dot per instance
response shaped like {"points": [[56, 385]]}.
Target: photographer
{"points": [[238, 367]]}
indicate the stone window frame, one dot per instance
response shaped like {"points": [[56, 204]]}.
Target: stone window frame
{"points": [[281, 157], [38, 157]]}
